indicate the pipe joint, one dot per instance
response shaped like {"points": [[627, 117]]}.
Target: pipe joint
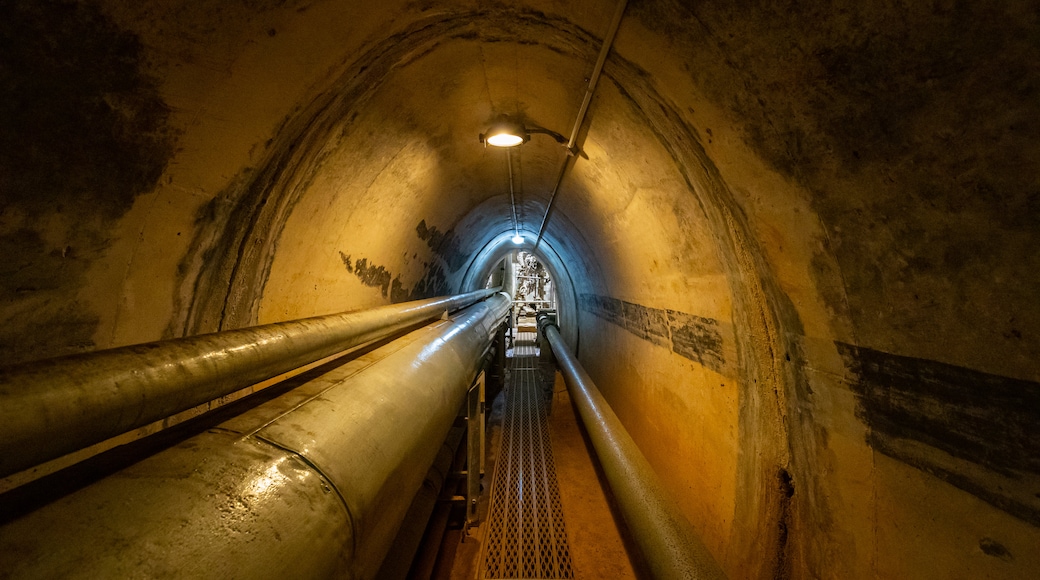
{"points": [[545, 321]]}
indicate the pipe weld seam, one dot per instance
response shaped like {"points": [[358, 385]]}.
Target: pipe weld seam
{"points": [[303, 458]]}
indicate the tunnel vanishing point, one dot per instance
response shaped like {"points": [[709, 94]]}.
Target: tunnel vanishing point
{"points": [[796, 245]]}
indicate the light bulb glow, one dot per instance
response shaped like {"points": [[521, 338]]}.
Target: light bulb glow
{"points": [[505, 140], [518, 239]]}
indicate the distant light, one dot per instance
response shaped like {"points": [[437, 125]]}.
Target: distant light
{"points": [[518, 239]]}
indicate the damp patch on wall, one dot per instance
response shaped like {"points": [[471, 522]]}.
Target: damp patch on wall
{"points": [[690, 336], [977, 431]]}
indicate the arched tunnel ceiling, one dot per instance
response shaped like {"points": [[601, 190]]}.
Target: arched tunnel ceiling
{"points": [[783, 213], [311, 126], [415, 139], [391, 155]]}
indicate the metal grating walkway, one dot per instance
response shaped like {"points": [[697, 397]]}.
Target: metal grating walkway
{"points": [[526, 534]]}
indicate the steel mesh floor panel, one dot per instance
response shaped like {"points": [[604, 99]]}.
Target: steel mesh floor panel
{"points": [[526, 534]]}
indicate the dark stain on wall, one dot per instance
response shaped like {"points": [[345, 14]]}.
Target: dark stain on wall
{"points": [[225, 270], [650, 324], [696, 338], [657, 328], [444, 244], [433, 283], [84, 127], [84, 132], [883, 83], [977, 431], [991, 547], [690, 336], [370, 275], [37, 281]]}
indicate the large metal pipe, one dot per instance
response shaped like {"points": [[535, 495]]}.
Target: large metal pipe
{"points": [[409, 538], [53, 407], [666, 539], [312, 484]]}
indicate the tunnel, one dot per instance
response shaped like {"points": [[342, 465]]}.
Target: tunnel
{"points": [[794, 245]]}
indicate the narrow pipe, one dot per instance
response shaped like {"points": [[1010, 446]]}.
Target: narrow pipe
{"points": [[666, 539], [608, 41], [53, 407], [552, 198], [512, 197], [312, 484]]}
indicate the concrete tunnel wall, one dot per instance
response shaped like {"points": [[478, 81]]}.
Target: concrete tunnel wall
{"points": [[802, 248]]}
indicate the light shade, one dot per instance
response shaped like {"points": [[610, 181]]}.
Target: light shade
{"points": [[505, 132], [518, 239], [504, 140]]}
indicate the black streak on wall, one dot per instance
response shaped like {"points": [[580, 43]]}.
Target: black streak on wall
{"points": [[696, 338], [635, 318], [370, 275], [977, 431], [433, 283], [689, 336], [444, 244]]}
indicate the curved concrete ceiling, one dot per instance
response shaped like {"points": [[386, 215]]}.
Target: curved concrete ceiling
{"points": [[774, 203]]}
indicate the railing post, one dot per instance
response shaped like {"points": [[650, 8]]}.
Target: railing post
{"points": [[474, 447]]}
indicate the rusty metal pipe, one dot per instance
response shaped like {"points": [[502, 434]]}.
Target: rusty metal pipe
{"points": [[667, 540], [53, 407], [311, 484]]}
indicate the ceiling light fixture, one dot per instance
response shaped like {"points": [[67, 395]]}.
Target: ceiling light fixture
{"points": [[505, 132]]}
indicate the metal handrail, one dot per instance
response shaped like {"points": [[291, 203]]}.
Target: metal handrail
{"points": [[52, 407], [666, 539]]}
